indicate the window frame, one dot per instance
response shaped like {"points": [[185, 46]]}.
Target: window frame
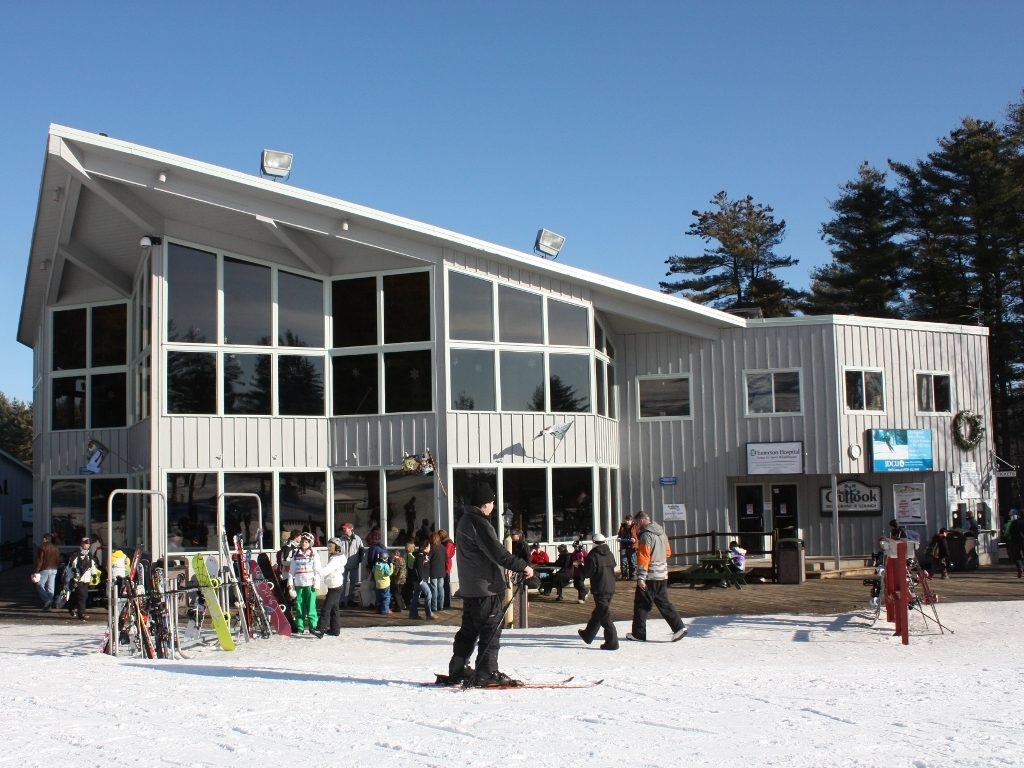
{"points": [[688, 377], [862, 369], [932, 374], [747, 372]]}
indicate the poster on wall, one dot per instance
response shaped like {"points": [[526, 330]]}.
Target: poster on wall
{"points": [[775, 458], [901, 450], [674, 512], [908, 503]]}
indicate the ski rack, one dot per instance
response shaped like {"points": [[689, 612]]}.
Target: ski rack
{"points": [[902, 577]]}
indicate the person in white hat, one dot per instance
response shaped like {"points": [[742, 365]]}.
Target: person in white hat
{"points": [[333, 575], [599, 567]]}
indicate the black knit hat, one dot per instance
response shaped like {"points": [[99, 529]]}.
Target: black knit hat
{"points": [[481, 494]]}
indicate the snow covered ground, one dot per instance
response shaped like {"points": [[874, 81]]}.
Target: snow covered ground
{"points": [[760, 691]]}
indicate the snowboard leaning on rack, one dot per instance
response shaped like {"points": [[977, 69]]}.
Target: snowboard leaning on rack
{"points": [[207, 587], [275, 611], [267, 569]]}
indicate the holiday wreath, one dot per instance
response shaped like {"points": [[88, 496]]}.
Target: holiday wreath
{"points": [[968, 430]]}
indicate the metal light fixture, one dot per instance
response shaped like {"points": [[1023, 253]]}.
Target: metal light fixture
{"points": [[148, 241], [276, 164], [548, 243]]}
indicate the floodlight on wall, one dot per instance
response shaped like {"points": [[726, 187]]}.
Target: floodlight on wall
{"points": [[548, 243], [148, 241], [275, 164]]}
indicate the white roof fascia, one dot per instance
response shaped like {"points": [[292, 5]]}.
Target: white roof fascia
{"points": [[871, 322]]}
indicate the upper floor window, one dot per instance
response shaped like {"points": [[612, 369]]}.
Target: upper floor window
{"points": [[933, 393], [470, 307], [663, 397], [864, 390], [772, 392]]}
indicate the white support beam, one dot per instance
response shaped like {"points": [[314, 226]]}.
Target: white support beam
{"points": [[98, 267], [300, 244]]}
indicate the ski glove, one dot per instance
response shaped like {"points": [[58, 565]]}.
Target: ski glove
{"points": [[292, 593]]}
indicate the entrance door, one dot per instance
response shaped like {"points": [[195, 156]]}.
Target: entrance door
{"points": [[749, 517], [784, 510]]}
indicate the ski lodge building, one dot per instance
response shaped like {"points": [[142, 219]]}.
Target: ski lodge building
{"points": [[255, 356]]}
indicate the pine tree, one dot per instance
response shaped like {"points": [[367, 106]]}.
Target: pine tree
{"points": [[16, 428]]}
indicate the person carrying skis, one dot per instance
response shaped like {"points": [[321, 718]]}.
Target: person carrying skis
{"points": [[352, 550], [303, 576], [482, 562], [600, 569], [652, 555], [81, 567], [333, 575]]}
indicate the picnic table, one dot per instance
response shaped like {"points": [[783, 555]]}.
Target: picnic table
{"points": [[715, 569]]}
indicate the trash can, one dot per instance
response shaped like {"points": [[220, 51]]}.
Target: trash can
{"points": [[790, 561]]}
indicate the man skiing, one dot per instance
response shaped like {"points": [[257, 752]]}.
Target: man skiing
{"points": [[482, 561]]}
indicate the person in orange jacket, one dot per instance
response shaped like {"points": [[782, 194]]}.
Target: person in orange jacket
{"points": [[652, 555]]}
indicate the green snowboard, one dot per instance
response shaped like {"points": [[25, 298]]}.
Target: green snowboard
{"points": [[219, 620]]}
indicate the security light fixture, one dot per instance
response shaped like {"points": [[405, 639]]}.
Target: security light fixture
{"points": [[275, 164], [548, 243], [148, 241]]}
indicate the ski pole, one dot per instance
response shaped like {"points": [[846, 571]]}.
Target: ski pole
{"points": [[497, 626]]}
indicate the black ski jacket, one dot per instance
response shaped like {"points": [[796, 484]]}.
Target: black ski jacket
{"points": [[480, 557], [599, 567]]}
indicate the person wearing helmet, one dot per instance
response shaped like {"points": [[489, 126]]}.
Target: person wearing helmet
{"points": [[333, 575], [303, 576]]}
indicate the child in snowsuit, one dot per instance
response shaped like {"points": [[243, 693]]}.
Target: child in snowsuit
{"points": [[382, 581], [303, 576], [599, 567], [398, 578], [333, 575]]}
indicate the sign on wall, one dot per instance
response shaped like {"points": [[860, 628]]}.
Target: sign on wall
{"points": [[775, 458], [674, 512], [855, 500], [901, 450], [908, 503]]}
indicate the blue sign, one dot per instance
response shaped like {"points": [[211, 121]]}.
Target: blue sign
{"points": [[668, 480], [901, 450]]}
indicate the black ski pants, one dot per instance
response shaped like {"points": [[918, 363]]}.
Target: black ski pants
{"points": [[81, 598], [482, 620], [656, 594], [601, 618], [330, 613]]}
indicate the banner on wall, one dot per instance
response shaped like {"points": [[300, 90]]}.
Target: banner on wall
{"points": [[901, 450], [908, 503], [775, 458]]}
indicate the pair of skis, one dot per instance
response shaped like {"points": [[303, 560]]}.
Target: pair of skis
{"points": [[443, 681]]}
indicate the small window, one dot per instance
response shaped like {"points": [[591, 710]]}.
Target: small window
{"points": [[522, 381], [933, 393], [407, 382], [355, 385], [300, 385], [109, 335], [247, 385], [68, 407], [69, 339], [663, 397], [569, 383], [354, 306], [407, 307], [520, 316], [864, 391], [772, 392], [248, 317], [472, 380], [300, 311], [191, 295], [191, 382], [568, 324], [470, 308]]}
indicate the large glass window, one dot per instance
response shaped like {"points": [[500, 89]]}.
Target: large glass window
{"points": [[409, 497], [864, 390], [572, 500], [357, 501], [69, 329], [192, 511], [520, 316], [68, 511], [569, 382], [354, 306], [522, 381], [109, 335], [300, 311], [100, 489], [247, 303], [191, 295], [304, 503], [355, 385], [463, 482], [933, 393], [68, 407], [663, 397], [772, 392], [242, 513], [470, 308], [109, 400], [191, 382], [300, 385], [472, 380], [247, 384], [525, 501], [407, 381], [568, 324], [406, 307]]}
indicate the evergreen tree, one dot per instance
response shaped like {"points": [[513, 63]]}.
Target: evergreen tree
{"points": [[16, 428], [740, 270], [868, 263]]}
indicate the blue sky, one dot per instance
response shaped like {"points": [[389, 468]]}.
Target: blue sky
{"points": [[608, 122]]}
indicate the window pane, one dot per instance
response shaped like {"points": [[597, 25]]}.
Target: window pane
{"points": [[192, 511], [410, 497], [472, 380], [522, 381], [109, 394], [470, 308], [354, 305], [943, 402], [247, 303], [247, 384], [67, 511], [68, 410], [355, 385], [567, 324], [572, 498], [520, 316], [598, 336], [110, 335], [924, 392], [569, 381], [407, 307], [613, 404], [759, 393], [463, 482], [191, 295], [664, 397], [602, 401], [69, 339], [304, 504], [787, 392], [407, 382], [300, 311], [191, 382], [526, 502], [242, 513], [100, 489], [356, 501], [874, 394], [855, 390], [300, 385]]}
